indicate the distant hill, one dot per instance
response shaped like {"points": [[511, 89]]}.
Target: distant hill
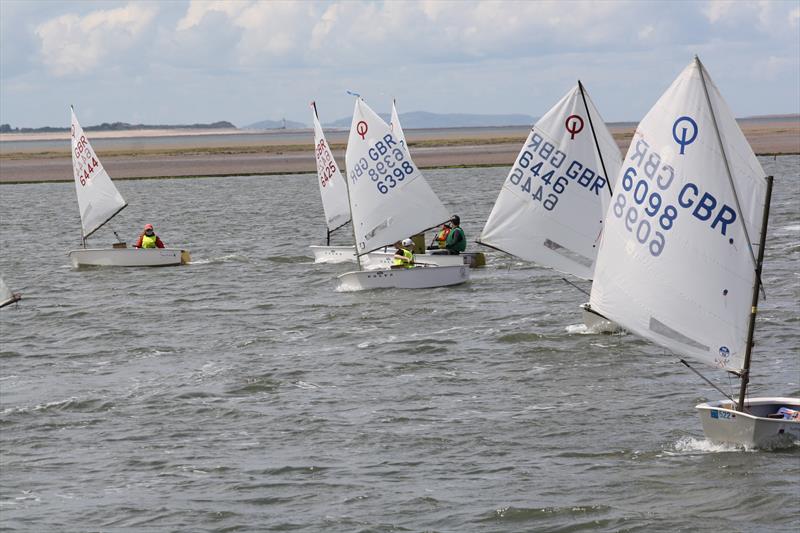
{"points": [[424, 119], [282, 124], [122, 126]]}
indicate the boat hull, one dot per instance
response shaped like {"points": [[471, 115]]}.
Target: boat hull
{"points": [[752, 429], [334, 254], [403, 278], [383, 260], [347, 254], [597, 323], [128, 257], [471, 259]]}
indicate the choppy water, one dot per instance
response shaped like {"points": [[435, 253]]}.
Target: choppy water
{"points": [[242, 393]]}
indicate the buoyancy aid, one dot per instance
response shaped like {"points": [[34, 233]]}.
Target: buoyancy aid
{"points": [[149, 241], [441, 237], [406, 260]]}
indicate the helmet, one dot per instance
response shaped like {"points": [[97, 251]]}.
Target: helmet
{"points": [[148, 226], [407, 242], [455, 220]]}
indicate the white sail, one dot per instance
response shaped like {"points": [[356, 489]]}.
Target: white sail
{"points": [[389, 198], [98, 199], [675, 264], [5, 292], [551, 207], [332, 187], [397, 129]]}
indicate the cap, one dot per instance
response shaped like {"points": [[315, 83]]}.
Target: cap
{"points": [[148, 226], [407, 242]]}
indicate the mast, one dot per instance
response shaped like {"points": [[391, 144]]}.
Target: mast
{"points": [[594, 136], [754, 305], [350, 203], [725, 158], [314, 107]]}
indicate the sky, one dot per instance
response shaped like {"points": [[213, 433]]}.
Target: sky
{"points": [[199, 61]]}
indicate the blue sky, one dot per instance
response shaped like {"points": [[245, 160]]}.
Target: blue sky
{"points": [[243, 61]]}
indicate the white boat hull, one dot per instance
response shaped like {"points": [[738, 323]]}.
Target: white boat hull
{"points": [[383, 260], [403, 278], [752, 429], [334, 254], [597, 323], [128, 257], [347, 254]]}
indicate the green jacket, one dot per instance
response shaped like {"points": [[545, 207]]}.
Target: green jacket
{"points": [[456, 240]]}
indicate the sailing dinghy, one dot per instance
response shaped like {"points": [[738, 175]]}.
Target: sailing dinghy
{"points": [[6, 296], [681, 252], [333, 191], [99, 201], [389, 201], [551, 208], [336, 206]]}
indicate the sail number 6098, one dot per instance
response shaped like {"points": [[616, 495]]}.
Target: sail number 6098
{"points": [[650, 203]]}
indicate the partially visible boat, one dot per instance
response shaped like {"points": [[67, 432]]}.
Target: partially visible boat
{"points": [[99, 201], [333, 191], [6, 296], [551, 207], [471, 259], [682, 250]]}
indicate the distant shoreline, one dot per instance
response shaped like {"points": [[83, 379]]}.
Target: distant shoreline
{"points": [[214, 153]]}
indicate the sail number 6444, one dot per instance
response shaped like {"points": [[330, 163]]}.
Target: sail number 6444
{"points": [[84, 156]]}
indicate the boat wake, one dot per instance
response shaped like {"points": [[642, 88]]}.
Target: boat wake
{"points": [[290, 259], [693, 445], [599, 329], [229, 258]]}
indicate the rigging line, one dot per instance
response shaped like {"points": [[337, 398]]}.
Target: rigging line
{"points": [[706, 380], [580, 289], [730, 174], [594, 135]]}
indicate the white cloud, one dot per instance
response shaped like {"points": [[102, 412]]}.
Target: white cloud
{"points": [[200, 8], [716, 10], [71, 44]]}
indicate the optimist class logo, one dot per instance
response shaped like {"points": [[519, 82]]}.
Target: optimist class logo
{"points": [[574, 125], [684, 124], [362, 128]]}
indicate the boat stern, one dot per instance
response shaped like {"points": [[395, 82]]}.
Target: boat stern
{"points": [[761, 427]]}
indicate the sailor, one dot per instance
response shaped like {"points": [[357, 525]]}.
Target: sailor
{"points": [[456, 241], [148, 238], [440, 238], [403, 256]]}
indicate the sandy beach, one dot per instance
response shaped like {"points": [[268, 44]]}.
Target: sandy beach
{"points": [[26, 158]]}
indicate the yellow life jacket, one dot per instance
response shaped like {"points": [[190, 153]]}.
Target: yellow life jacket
{"points": [[148, 242], [405, 261]]}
